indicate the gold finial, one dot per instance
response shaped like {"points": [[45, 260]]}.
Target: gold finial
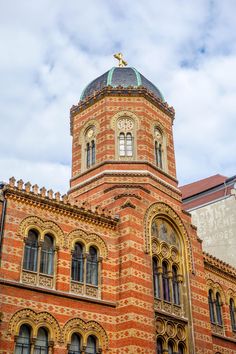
{"points": [[122, 62]]}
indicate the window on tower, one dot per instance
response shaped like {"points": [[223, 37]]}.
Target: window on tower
{"points": [[90, 147], [159, 148], [125, 131]]}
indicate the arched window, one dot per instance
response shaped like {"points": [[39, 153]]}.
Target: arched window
{"points": [[75, 346], [180, 348], [165, 282], [218, 309], [47, 256], [126, 144], [31, 251], [23, 341], [170, 348], [155, 278], [211, 306], [91, 345], [175, 286], [92, 267], [90, 147], [158, 146], [77, 270], [159, 346], [232, 314], [41, 344]]}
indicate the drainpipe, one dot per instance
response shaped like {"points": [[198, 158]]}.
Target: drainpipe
{"points": [[2, 222]]}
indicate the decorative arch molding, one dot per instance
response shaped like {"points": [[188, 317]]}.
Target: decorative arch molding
{"points": [[217, 288], [231, 294], [125, 114], [90, 123], [163, 210], [85, 329], [35, 320], [88, 240], [43, 227]]}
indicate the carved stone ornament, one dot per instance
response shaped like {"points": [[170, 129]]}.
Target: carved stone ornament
{"points": [[35, 320], [125, 120], [160, 326], [164, 211], [87, 239], [125, 124], [85, 328], [43, 227]]}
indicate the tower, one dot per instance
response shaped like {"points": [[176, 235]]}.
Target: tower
{"points": [[123, 160]]}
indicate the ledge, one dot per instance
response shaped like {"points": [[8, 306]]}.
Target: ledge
{"points": [[57, 293], [228, 339]]}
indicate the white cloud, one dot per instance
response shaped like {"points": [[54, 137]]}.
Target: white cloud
{"points": [[51, 50]]}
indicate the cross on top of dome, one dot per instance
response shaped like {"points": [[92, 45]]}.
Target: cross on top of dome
{"points": [[122, 62]]}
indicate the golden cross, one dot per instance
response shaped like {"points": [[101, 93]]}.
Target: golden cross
{"points": [[122, 62]]}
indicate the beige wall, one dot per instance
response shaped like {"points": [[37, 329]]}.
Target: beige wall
{"points": [[216, 225]]}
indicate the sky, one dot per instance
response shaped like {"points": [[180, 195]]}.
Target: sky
{"points": [[50, 50]]}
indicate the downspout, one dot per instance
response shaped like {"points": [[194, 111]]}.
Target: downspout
{"points": [[2, 222]]}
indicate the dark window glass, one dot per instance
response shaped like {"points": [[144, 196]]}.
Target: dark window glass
{"points": [[170, 348], [93, 152], [31, 251], [122, 144], [77, 270], [88, 159], [23, 341], [75, 345], [211, 306], [175, 286], [41, 344], [47, 256], [218, 309], [160, 156], [180, 349], [91, 345], [92, 267], [156, 153], [129, 145], [232, 314], [159, 346], [155, 278], [165, 282]]}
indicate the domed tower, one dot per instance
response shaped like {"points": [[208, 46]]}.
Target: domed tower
{"points": [[123, 160]]}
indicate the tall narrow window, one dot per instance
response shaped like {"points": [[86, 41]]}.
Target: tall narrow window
{"points": [[31, 251], [90, 147], [180, 348], [232, 314], [125, 134], [75, 346], [122, 144], [175, 286], [23, 341], [211, 306], [165, 282], [92, 267], [170, 348], [218, 309], [91, 345], [41, 344], [159, 346], [158, 146], [155, 278], [77, 270], [47, 256], [129, 145]]}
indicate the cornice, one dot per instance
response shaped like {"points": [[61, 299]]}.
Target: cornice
{"points": [[121, 92], [219, 266], [54, 202]]}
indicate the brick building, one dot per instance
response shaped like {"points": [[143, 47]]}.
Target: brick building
{"points": [[114, 266]]}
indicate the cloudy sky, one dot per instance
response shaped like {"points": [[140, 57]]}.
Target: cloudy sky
{"points": [[50, 50]]}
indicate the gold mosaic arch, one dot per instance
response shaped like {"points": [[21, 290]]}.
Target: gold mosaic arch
{"points": [[43, 227], [35, 320], [163, 210], [88, 240], [85, 329]]}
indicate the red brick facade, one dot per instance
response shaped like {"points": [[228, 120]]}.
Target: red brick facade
{"points": [[115, 206]]}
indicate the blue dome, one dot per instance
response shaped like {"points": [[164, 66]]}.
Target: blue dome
{"points": [[124, 77]]}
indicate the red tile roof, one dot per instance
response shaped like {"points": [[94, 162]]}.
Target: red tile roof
{"points": [[202, 185]]}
